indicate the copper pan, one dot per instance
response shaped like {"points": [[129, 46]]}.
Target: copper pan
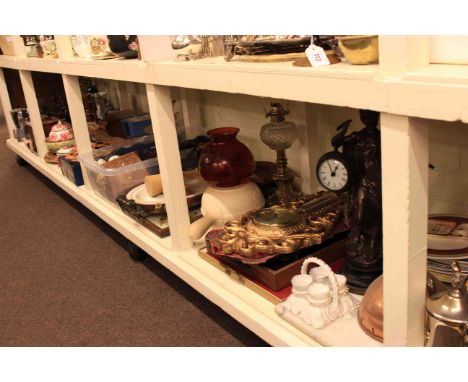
{"points": [[371, 310]]}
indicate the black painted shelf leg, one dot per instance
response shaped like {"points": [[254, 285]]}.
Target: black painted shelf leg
{"points": [[135, 252], [21, 162]]}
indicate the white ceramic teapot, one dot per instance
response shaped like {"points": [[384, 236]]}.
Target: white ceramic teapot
{"points": [[221, 204], [61, 131]]}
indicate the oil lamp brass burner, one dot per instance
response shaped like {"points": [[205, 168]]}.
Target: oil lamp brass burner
{"points": [[284, 229]]}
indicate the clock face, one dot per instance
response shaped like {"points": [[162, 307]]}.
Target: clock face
{"points": [[333, 174]]}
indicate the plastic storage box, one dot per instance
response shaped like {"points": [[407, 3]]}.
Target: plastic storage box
{"points": [[110, 182]]}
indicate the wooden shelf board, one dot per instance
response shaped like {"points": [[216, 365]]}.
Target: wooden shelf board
{"points": [[421, 93], [121, 70], [444, 74], [115, 69], [258, 314], [334, 85], [438, 92], [341, 70]]}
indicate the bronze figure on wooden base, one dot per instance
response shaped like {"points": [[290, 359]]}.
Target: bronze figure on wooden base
{"points": [[356, 172]]}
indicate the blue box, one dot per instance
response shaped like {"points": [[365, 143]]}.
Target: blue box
{"points": [[135, 125], [71, 169]]}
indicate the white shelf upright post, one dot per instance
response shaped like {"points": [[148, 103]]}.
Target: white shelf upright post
{"points": [[405, 201], [78, 116], [18, 46], [64, 46], [399, 54], [165, 136], [6, 104], [34, 112]]}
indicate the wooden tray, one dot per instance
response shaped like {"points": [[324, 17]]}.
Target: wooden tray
{"points": [[263, 290], [155, 223], [274, 296]]}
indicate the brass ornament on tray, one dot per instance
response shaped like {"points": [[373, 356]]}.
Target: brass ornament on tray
{"points": [[265, 47], [193, 47], [261, 235]]}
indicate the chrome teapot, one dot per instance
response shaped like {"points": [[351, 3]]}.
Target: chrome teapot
{"points": [[447, 312]]}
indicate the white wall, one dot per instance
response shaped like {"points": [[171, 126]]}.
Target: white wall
{"points": [[247, 113], [448, 182], [448, 149], [125, 95]]}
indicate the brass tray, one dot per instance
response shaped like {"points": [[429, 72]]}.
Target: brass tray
{"points": [[259, 236]]}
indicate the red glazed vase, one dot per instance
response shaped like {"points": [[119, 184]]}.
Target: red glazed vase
{"points": [[226, 162]]}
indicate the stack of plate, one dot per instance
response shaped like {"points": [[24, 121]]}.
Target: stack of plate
{"points": [[445, 247], [157, 204]]}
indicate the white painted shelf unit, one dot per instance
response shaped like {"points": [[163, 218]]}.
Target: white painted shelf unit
{"points": [[404, 87]]}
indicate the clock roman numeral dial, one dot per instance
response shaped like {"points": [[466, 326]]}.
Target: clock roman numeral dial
{"points": [[333, 174]]}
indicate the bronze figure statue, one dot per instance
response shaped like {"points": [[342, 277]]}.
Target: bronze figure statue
{"points": [[363, 214]]}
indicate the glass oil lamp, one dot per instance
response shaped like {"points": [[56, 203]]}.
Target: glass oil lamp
{"points": [[279, 135]]}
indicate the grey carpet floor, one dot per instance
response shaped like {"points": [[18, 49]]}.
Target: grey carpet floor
{"points": [[67, 280]]}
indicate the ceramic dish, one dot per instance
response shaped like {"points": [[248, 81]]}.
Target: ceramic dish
{"points": [[443, 266], [360, 50], [266, 49], [60, 132], [448, 246], [60, 126], [270, 57], [91, 46], [51, 158], [156, 205], [55, 146]]}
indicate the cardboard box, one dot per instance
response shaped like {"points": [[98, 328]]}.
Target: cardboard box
{"points": [[71, 169]]}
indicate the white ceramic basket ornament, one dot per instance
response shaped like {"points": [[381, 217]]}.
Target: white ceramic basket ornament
{"points": [[319, 297]]}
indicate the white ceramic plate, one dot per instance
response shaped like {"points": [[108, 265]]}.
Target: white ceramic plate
{"points": [[448, 247], [141, 196], [446, 243]]}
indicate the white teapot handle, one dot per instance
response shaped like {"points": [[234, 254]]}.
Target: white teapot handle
{"points": [[199, 227], [331, 275]]}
